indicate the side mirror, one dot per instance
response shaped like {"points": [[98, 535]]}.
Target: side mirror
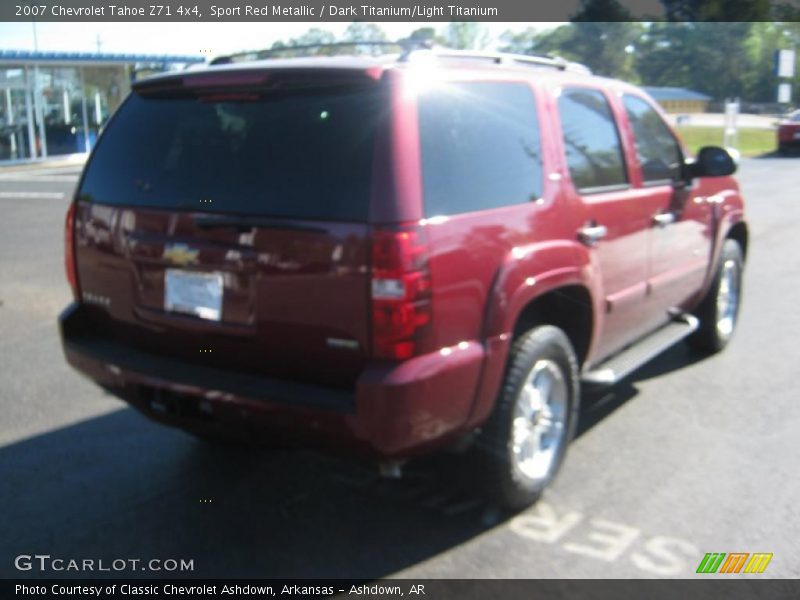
{"points": [[713, 161]]}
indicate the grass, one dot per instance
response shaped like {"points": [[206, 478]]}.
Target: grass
{"points": [[752, 142]]}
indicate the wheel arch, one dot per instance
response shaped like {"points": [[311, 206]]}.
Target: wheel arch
{"points": [[568, 307], [739, 233], [543, 283], [551, 306]]}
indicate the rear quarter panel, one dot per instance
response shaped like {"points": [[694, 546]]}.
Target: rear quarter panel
{"points": [[487, 266]]}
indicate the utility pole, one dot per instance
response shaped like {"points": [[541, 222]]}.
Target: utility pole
{"points": [[785, 68], [37, 97]]}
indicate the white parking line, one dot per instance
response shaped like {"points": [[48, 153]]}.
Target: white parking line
{"points": [[42, 195]]}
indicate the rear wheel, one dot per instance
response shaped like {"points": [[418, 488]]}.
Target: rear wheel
{"points": [[523, 444], [719, 310]]}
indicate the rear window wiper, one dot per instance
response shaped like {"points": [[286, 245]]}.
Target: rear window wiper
{"points": [[246, 223]]}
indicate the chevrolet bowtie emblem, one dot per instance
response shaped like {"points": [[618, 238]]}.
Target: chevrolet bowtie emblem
{"points": [[180, 254]]}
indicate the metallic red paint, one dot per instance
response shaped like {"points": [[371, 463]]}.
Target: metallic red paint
{"points": [[486, 268]]}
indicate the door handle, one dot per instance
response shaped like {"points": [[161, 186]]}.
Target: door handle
{"points": [[591, 233], [663, 219]]}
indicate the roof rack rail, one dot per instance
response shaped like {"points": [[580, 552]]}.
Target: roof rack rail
{"points": [[409, 48], [539, 60], [406, 46]]}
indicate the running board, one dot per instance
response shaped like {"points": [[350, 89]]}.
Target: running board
{"points": [[631, 358]]}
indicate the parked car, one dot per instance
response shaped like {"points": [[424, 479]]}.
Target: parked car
{"points": [[395, 254], [789, 132]]}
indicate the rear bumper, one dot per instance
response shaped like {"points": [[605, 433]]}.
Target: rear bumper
{"points": [[394, 409]]}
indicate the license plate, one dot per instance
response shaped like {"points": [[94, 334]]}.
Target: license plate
{"points": [[198, 294]]}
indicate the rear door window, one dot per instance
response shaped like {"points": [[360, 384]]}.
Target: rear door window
{"points": [[480, 147], [296, 155], [591, 140]]}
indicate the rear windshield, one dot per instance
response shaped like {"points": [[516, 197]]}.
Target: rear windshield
{"points": [[302, 156]]}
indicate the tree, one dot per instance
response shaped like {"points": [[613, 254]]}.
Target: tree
{"points": [[605, 47], [520, 42], [604, 37], [717, 10], [467, 36], [365, 32], [605, 11], [426, 34], [760, 82], [315, 36], [664, 56], [559, 41], [706, 57]]}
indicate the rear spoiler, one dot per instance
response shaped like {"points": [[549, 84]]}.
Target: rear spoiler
{"points": [[261, 80]]}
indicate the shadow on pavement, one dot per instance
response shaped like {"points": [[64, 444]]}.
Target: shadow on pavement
{"points": [[776, 154], [599, 403], [117, 486]]}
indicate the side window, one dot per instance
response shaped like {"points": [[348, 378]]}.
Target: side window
{"points": [[480, 147], [591, 140], [659, 153]]}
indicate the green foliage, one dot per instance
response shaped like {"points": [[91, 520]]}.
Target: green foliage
{"points": [[706, 57], [426, 34], [607, 48], [467, 36], [721, 59], [717, 10], [602, 11], [314, 36], [522, 42], [365, 32]]}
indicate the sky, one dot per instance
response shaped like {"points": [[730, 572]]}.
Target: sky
{"points": [[189, 38]]}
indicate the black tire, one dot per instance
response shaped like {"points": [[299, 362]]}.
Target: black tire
{"points": [[507, 484], [712, 335], [783, 149]]}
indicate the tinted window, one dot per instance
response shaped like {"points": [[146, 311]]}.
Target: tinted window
{"points": [[480, 147], [659, 154], [303, 156], [591, 140]]}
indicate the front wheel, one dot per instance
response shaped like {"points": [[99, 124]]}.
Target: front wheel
{"points": [[719, 310], [524, 441]]}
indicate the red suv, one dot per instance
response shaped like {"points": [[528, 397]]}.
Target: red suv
{"points": [[394, 254]]}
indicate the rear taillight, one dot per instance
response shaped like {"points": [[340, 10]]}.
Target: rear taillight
{"points": [[401, 292], [69, 250]]}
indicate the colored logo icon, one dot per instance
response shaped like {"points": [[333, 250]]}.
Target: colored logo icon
{"points": [[736, 562]]}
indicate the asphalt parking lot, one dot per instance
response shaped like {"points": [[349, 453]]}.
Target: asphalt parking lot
{"points": [[691, 455]]}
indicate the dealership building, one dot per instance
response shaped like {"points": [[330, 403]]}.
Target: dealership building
{"points": [[55, 103]]}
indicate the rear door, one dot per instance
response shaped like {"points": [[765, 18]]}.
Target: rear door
{"points": [[231, 228]]}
